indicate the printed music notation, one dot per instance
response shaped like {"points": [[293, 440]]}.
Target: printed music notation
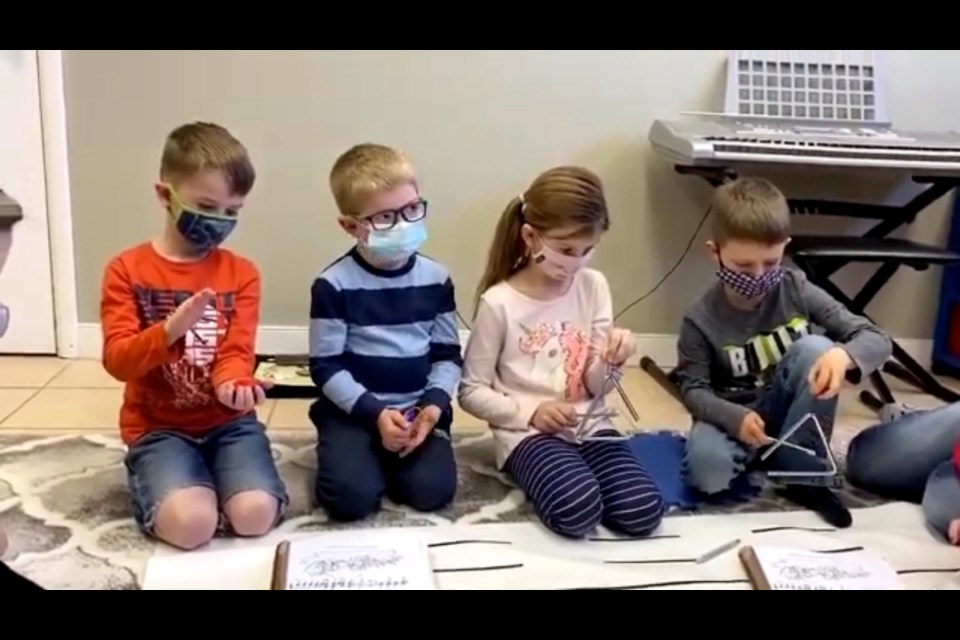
{"points": [[334, 584], [374, 560], [800, 570], [318, 565]]}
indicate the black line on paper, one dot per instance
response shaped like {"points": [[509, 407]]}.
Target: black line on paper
{"points": [[663, 561], [654, 585], [842, 550], [450, 543], [912, 571], [811, 529], [665, 536], [501, 567]]}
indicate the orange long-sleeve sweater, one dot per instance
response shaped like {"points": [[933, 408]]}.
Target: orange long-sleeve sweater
{"points": [[173, 387]]}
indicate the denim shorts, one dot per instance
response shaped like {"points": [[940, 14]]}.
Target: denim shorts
{"points": [[232, 458]]}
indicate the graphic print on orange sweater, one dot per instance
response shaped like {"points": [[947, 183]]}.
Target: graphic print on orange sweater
{"points": [[173, 387], [191, 376]]}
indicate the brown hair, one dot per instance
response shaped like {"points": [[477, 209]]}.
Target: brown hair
{"points": [[364, 170], [202, 146], [559, 197], [750, 209]]}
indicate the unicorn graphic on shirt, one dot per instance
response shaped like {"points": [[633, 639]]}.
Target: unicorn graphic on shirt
{"points": [[558, 353]]}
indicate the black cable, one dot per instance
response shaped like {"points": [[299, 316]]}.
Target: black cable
{"points": [[669, 273]]}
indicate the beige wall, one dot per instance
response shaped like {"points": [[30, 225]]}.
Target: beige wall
{"points": [[478, 124]]}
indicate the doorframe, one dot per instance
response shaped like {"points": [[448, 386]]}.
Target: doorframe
{"points": [[53, 122]]}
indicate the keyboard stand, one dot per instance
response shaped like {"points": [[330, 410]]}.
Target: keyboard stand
{"points": [[819, 257]]}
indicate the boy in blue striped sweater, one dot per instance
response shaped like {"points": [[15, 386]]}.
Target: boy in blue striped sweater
{"points": [[384, 348]]}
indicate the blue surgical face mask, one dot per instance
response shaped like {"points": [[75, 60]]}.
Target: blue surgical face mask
{"points": [[397, 243], [201, 229]]}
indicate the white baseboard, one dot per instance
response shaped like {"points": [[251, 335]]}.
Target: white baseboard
{"points": [[292, 340]]}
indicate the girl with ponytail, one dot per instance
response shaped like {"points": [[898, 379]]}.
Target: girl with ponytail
{"points": [[540, 349]]}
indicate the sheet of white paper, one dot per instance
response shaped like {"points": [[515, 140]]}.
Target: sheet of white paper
{"points": [[950, 584], [382, 559], [799, 570]]}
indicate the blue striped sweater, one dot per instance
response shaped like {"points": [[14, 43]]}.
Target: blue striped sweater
{"points": [[382, 338]]}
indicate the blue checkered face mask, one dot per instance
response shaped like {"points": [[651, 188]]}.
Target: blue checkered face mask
{"points": [[749, 286]]}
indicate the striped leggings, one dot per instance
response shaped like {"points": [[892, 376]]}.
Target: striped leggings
{"points": [[576, 487]]}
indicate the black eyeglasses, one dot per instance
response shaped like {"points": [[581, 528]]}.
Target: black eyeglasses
{"points": [[411, 212]]}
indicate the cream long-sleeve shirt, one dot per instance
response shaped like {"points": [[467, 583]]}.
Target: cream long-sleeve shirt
{"points": [[523, 352]]}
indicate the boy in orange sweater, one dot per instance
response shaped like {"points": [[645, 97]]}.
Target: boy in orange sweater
{"points": [[179, 317]]}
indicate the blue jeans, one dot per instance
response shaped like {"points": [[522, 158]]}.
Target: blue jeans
{"points": [[910, 459], [714, 459], [354, 471], [232, 458]]}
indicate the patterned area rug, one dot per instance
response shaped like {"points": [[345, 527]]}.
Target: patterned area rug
{"points": [[64, 505]]}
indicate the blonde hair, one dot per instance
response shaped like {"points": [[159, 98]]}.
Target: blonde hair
{"points": [[750, 209], [203, 146], [364, 170], [559, 197]]}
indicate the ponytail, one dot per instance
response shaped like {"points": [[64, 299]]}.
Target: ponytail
{"points": [[507, 252]]}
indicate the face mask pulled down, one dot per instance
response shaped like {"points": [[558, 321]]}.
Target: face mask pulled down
{"points": [[749, 286], [559, 266], [397, 243]]}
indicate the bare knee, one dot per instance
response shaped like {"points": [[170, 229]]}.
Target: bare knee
{"points": [[251, 513], [187, 518]]}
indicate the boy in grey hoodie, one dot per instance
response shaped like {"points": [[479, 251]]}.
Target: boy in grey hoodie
{"points": [[750, 361]]}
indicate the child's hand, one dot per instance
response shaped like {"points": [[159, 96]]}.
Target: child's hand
{"points": [[243, 394], [828, 373], [752, 431], [553, 416], [187, 314], [426, 420], [953, 532], [394, 430], [620, 347]]}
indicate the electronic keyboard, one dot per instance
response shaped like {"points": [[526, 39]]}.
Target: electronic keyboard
{"points": [[719, 140]]}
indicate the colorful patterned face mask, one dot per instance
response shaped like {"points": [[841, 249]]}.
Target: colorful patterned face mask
{"points": [[750, 286]]}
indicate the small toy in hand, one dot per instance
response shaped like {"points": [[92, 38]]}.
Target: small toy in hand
{"points": [[243, 394], [411, 414]]}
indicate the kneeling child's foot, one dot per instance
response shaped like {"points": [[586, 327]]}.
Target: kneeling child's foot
{"points": [[821, 500]]}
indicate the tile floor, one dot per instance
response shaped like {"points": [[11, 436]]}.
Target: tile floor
{"points": [[50, 395]]}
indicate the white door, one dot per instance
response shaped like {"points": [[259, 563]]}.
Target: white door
{"points": [[26, 284]]}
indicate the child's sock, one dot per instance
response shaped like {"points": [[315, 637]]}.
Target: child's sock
{"points": [[953, 532], [822, 500]]}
